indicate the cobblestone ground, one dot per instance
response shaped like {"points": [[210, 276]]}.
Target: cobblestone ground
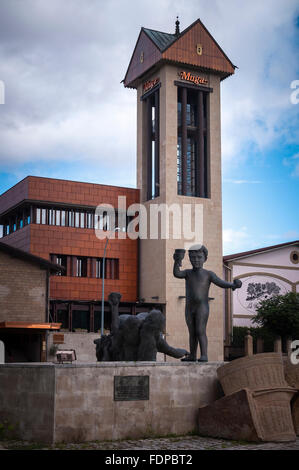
{"points": [[173, 443]]}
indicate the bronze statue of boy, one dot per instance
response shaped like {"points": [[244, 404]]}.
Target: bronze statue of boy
{"points": [[198, 282]]}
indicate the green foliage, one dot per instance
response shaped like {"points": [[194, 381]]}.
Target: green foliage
{"points": [[279, 315]]}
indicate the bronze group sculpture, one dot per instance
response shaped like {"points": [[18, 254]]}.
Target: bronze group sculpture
{"points": [[198, 282], [134, 337]]}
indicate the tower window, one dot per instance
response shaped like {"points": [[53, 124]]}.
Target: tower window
{"points": [[151, 102], [192, 149]]}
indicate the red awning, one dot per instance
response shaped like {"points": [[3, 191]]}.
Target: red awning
{"points": [[31, 326]]}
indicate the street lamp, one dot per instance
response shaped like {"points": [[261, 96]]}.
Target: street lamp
{"points": [[103, 282]]}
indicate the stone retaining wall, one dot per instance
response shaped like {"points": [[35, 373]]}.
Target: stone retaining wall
{"points": [[75, 402]]}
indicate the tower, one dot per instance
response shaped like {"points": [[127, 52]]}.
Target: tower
{"points": [[177, 77]]}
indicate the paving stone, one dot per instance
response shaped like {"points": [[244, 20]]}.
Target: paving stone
{"points": [[173, 443]]}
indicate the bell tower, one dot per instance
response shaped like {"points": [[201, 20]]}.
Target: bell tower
{"points": [[177, 77]]}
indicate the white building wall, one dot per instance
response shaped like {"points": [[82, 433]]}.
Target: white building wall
{"points": [[263, 275]]}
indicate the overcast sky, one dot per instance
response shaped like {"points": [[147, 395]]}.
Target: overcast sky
{"points": [[66, 114]]}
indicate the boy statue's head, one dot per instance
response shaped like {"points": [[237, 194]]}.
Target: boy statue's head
{"points": [[198, 254]]}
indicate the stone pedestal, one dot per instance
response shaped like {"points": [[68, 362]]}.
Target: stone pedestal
{"points": [[80, 402]]}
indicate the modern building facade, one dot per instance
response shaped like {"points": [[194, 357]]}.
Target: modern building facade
{"points": [[177, 78], [55, 220]]}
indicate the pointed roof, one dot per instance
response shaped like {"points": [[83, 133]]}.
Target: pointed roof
{"points": [[153, 47]]}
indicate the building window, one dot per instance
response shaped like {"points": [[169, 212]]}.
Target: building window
{"points": [[89, 220], [152, 105], [294, 257], [57, 218], [71, 221], [43, 216], [37, 215], [192, 149], [81, 267], [51, 216], [111, 268], [16, 220], [81, 319], [63, 318], [62, 261], [64, 218]]}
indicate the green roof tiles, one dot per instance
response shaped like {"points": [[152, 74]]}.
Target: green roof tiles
{"points": [[162, 40]]}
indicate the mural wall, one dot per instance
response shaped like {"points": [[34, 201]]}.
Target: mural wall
{"points": [[254, 289]]}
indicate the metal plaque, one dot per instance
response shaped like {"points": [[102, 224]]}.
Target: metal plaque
{"points": [[131, 387]]}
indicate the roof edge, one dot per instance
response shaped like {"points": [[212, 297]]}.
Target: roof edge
{"points": [[244, 254], [16, 252]]}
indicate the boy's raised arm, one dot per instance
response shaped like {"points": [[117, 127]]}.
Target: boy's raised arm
{"points": [[225, 284], [177, 272]]}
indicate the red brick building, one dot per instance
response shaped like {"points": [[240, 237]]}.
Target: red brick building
{"points": [[55, 220]]}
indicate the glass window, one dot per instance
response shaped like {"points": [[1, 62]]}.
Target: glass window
{"points": [[27, 216], [191, 182], [63, 217], [77, 219], [44, 216], [38, 215], [62, 261], [81, 267], [70, 218], [179, 166], [57, 221], [51, 216], [194, 159], [80, 320], [82, 220], [63, 317], [99, 268], [89, 220]]}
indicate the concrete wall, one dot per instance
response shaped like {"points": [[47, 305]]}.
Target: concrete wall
{"points": [[82, 343], [27, 400], [75, 402], [22, 290]]}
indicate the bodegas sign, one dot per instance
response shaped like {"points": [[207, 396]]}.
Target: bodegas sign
{"points": [[188, 77], [150, 84]]}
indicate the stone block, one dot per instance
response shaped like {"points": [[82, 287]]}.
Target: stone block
{"points": [[229, 417], [250, 416], [258, 372]]}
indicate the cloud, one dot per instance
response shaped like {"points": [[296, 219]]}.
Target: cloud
{"points": [[226, 180], [293, 162], [290, 235], [234, 240], [62, 63]]}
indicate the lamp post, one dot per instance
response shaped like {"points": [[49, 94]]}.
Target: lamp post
{"points": [[103, 282]]}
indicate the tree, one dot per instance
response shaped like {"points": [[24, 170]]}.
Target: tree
{"points": [[279, 315]]}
